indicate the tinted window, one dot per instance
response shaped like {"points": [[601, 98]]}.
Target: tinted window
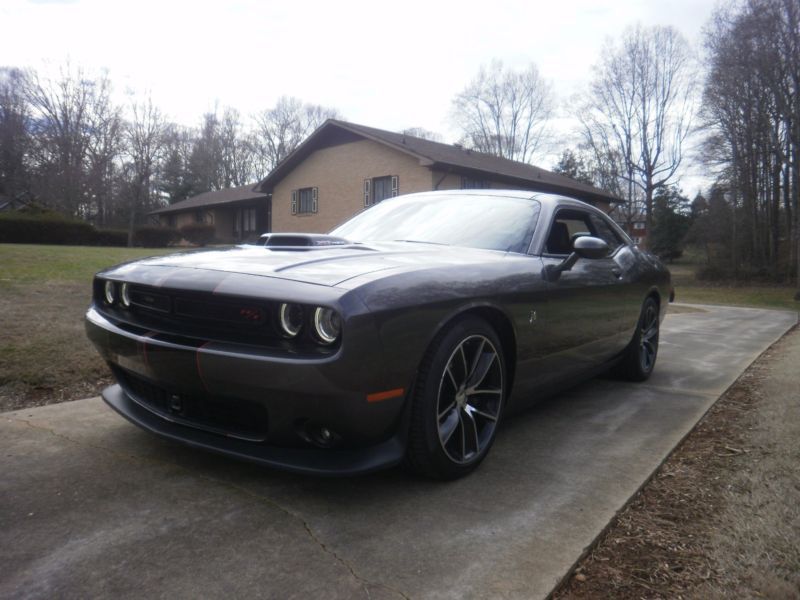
{"points": [[572, 223], [490, 222], [567, 225], [606, 232]]}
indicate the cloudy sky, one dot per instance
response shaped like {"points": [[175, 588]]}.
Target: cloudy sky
{"points": [[388, 65]]}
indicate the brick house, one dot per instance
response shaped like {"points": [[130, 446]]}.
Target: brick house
{"points": [[239, 214], [637, 230], [343, 168], [633, 222]]}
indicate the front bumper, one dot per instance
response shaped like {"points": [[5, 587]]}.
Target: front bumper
{"points": [[312, 461], [247, 403]]}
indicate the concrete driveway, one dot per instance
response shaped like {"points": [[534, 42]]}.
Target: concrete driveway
{"points": [[91, 506]]}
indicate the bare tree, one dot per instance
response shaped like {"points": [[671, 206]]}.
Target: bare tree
{"points": [[640, 107], [281, 129], [103, 148], [144, 136], [60, 129], [505, 112], [205, 161], [15, 138], [751, 115], [237, 151]]}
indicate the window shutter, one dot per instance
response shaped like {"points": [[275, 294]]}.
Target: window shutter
{"points": [[314, 197], [294, 202], [395, 185], [367, 186]]}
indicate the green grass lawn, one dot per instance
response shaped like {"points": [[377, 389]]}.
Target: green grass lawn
{"points": [[691, 290], [44, 292], [23, 263]]}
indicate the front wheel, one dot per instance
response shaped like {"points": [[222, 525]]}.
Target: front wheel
{"points": [[639, 358], [457, 401]]}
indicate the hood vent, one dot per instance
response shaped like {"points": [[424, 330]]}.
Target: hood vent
{"points": [[301, 241]]}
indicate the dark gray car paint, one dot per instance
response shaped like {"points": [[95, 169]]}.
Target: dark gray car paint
{"points": [[394, 298]]}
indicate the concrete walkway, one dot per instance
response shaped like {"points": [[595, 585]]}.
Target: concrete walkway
{"points": [[90, 506]]}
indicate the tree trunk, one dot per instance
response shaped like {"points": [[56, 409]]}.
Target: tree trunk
{"points": [[796, 201], [775, 224], [132, 219]]}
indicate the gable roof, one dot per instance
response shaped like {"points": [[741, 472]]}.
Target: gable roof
{"points": [[214, 198], [437, 155]]}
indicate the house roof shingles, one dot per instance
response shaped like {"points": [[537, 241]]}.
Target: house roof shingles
{"points": [[214, 198], [437, 154]]}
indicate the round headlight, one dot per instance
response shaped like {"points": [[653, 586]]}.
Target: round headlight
{"points": [[124, 295], [327, 324], [110, 290], [291, 317]]}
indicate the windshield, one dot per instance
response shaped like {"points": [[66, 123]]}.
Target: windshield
{"points": [[474, 221]]}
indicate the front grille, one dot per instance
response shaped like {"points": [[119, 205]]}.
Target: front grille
{"points": [[226, 416], [205, 316], [149, 300]]}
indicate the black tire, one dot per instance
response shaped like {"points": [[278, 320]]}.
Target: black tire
{"points": [[639, 358], [457, 401]]}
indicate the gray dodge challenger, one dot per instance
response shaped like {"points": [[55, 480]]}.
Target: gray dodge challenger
{"points": [[406, 335]]}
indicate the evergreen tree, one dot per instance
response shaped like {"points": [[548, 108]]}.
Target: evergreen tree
{"points": [[670, 223], [574, 166]]}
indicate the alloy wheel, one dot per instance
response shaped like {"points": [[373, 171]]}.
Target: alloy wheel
{"points": [[470, 397], [648, 345]]}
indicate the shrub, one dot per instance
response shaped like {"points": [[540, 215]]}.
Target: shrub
{"points": [[714, 272], [155, 236], [44, 228], [670, 254], [199, 234], [111, 237]]}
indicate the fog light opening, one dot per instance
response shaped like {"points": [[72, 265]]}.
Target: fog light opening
{"points": [[320, 435]]}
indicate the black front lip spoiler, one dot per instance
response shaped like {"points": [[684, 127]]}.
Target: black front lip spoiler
{"points": [[308, 461]]}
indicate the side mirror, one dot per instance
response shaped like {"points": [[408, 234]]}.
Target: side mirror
{"points": [[585, 246], [590, 247]]}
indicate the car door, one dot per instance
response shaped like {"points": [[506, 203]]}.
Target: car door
{"points": [[580, 324], [630, 293]]}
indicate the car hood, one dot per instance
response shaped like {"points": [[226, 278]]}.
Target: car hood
{"points": [[329, 266]]}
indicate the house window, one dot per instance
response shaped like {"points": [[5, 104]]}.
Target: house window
{"points": [[244, 222], [468, 183], [638, 225], [172, 220], [305, 201], [198, 216], [380, 188]]}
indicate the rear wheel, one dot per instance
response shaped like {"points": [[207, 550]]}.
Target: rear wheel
{"points": [[639, 357], [458, 400]]}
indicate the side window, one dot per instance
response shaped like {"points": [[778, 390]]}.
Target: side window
{"points": [[567, 225], [606, 232]]}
